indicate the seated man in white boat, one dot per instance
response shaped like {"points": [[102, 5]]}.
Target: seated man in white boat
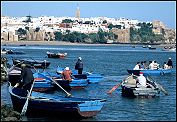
{"points": [[141, 81], [155, 65], [137, 66]]}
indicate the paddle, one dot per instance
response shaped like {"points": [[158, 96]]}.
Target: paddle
{"points": [[26, 103], [58, 85], [116, 86], [159, 86]]}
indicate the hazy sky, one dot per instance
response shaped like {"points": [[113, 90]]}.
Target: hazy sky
{"points": [[164, 11]]}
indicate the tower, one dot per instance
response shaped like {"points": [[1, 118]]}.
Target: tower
{"points": [[78, 12]]}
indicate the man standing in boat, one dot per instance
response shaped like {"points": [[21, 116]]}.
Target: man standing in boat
{"points": [[170, 63], [79, 65], [26, 78], [67, 74]]}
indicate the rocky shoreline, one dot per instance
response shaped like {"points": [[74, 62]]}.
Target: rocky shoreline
{"points": [[8, 114]]}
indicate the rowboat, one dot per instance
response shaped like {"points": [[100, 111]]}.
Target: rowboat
{"points": [[147, 72], [92, 77], [40, 85], [130, 89], [31, 63], [67, 85], [12, 51], [53, 105], [56, 55]]}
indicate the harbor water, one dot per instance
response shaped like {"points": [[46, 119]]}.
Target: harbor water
{"points": [[112, 62]]}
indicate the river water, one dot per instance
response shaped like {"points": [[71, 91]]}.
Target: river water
{"points": [[112, 62]]}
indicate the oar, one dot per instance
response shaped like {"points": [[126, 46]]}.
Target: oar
{"points": [[26, 103], [114, 88], [68, 94], [159, 86]]}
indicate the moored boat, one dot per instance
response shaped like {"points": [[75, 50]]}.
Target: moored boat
{"points": [[67, 85], [54, 105], [130, 88], [147, 72], [56, 55], [41, 84], [31, 63], [92, 77]]}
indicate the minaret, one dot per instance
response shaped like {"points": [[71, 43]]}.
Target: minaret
{"points": [[78, 12]]}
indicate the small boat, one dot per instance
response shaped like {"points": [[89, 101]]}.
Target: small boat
{"points": [[53, 105], [3, 52], [31, 63], [169, 49], [56, 55], [144, 46], [92, 77], [130, 89], [14, 52], [40, 85], [147, 72], [152, 48], [67, 85]]}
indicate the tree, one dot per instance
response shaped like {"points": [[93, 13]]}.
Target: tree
{"points": [[105, 21], [58, 36], [110, 26], [67, 21]]}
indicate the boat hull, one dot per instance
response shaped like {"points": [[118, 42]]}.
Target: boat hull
{"points": [[150, 72], [47, 106]]}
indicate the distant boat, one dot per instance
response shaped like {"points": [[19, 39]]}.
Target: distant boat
{"points": [[31, 63], [147, 72], [169, 49], [23, 45], [13, 51], [56, 55]]}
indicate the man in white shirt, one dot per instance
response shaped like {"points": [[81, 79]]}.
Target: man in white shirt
{"points": [[141, 80], [137, 66]]}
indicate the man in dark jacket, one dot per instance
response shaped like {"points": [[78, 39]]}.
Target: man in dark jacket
{"points": [[79, 65], [170, 63], [26, 78]]}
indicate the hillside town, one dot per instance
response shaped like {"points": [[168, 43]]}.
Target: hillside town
{"points": [[45, 28]]}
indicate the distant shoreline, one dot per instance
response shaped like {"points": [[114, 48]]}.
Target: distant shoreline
{"points": [[21, 43]]}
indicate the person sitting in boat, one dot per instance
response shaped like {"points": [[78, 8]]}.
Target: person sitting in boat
{"points": [[141, 80], [79, 65], [151, 65], [155, 65], [145, 65], [165, 66], [137, 66], [67, 74], [26, 78], [170, 63]]}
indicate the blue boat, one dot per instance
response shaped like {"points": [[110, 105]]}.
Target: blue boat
{"points": [[74, 84], [92, 77], [41, 83], [42, 104], [147, 72]]}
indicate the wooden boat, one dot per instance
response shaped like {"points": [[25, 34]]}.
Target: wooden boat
{"points": [[130, 89], [53, 105], [40, 85], [13, 52], [92, 77], [147, 72], [31, 63], [169, 49], [74, 84], [56, 55]]}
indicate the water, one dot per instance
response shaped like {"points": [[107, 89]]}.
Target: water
{"points": [[112, 62]]}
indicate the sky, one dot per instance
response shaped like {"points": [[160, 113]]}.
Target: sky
{"points": [[147, 11]]}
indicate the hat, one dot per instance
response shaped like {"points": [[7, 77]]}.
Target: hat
{"points": [[67, 68], [80, 58], [169, 58], [141, 72], [23, 65]]}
